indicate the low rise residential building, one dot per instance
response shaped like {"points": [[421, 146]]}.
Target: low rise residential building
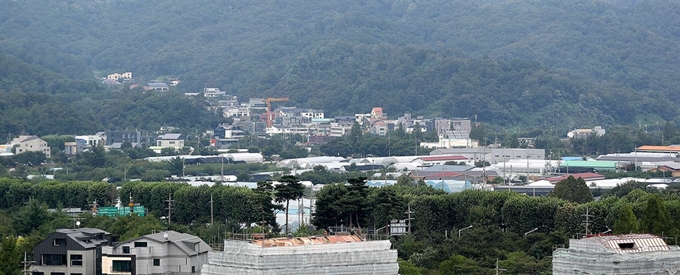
{"points": [[157, 86], [168, 252], [117, 76], [212, 92], [584, 133], [30, 144], [617, 254], [70, 251], [456, 124], [93, 140], [229, 132], [170, 141]]}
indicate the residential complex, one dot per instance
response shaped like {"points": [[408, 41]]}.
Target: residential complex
{"points": [[71, 251], [92, 251]]}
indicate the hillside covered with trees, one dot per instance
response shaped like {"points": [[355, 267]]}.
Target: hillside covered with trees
{"points": [[40, 102], [507, 62]]}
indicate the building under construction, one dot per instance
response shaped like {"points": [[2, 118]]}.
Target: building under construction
{"points": [[617, 254], [347, 254]]}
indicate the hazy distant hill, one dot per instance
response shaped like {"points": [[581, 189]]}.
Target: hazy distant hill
{"points": [[510, 62]]}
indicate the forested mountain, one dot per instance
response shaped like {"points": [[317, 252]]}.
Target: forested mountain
{"points": [[39, 102], [509, 62]]}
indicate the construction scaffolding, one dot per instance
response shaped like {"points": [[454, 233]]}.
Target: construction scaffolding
{"points": [[622, 254], [331, 255]]}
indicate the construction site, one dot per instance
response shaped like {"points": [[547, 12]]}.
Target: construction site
{"points": [[344, 253], [617, 254]]}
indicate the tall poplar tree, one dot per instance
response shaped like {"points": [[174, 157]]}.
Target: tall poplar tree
{"points": [[655, 218], [627, 222]]}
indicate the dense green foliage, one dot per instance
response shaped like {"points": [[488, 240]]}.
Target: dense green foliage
{"points": [[539, 63], [573, 190], [40, 102], [626, 223]]}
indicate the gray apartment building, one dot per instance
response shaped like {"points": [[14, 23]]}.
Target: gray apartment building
{"points": [[70, 251], [168, 252]]}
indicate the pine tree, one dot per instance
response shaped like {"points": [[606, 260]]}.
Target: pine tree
{"points": [[627, 222], [655, 219]]}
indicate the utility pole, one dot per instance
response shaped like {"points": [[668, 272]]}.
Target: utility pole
{"points": [[587, 222], [212, 220], [169, 201], [26, 263], [409, 212], [499, 270]]}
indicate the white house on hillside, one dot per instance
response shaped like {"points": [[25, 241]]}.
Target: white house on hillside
{"points": [[30, 144], [170, 140], [166, 252]]}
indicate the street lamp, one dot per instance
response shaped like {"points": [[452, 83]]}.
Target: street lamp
{"points": [[530, 231], [459, 230]]}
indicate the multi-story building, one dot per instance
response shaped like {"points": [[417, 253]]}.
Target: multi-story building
{"points": [[123, 136], [456, 124], [235, 111], [70, 251], [346, 254], [212, 92], [338, 129], [30, 144], [117, 76], [619, 254], [168, 252], [170, 140]]}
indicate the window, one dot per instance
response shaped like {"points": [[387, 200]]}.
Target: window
{"points": [[76, 273], [156, 262], [59, 242], [57, 273], [126, 249], [627, 245], [38, 273], [76, 260], [121, 266], [54, 259], [193, 269], [140, 244]]}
